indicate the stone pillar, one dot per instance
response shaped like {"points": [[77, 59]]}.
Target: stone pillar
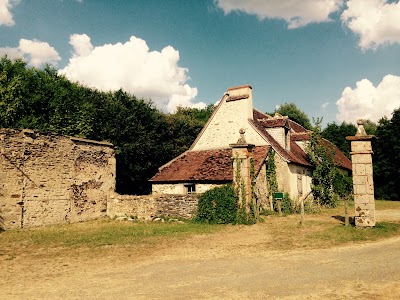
{"points": [[242, 155], [363, 184]]}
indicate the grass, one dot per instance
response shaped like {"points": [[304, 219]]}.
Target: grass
{"points": [[97, 235], [326, 229], [321, 230]]}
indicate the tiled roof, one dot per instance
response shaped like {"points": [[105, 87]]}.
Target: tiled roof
{"points": [[271, 123], [297, 133], [207, 165]]}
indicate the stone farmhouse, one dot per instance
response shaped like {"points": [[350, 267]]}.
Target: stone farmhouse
{"points": [[208, 162], [47, 178]]}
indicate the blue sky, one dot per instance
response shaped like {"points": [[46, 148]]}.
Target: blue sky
{"points": [[335, 59]]}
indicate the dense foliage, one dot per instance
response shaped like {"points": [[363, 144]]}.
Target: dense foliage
{"points": [[321, 159], [184, 126], [294, 113], [386, 158], [218, 206], [143, 136], [337, 134]]}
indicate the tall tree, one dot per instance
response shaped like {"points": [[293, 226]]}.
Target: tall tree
{"points": [[294, 113], [337, 135], [386, 158], [184, 126], [320, 156]]}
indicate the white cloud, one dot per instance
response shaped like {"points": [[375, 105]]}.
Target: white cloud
{"points": [[6, 17], [369, 102], [296, 13], [134, 68], [34, 51], [81, 44], [376, 22], [324, 106]]}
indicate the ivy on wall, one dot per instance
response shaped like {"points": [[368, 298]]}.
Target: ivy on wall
{"points": [[272, 182]]}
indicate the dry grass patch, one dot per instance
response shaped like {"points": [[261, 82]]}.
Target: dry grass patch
{"points": [[326, 229], [98, 235], [103, 237]]}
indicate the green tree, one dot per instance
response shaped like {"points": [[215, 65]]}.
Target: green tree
{"points": [[184, 126], [320, 155], [43, 100], [386, 158], [337, 135], [294, 113]]}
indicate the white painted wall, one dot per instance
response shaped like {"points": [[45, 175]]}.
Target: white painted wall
{"points": [[179, 188], [223, 128]]}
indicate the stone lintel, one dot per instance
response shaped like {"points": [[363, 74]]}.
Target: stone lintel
{"points": [[247, 146], [361, 152], [360, 138]]}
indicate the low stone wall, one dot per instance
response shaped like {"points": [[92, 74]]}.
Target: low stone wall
{"points": [[152, 206]]}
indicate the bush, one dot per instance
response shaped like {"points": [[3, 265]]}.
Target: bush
{"points": [[218, 206]]}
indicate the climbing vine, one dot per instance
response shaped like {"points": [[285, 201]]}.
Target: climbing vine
{"points": [[271, 174], [246, 211]]}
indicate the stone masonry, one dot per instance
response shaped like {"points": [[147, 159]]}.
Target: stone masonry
{"points": [[49, 179], [361, 157], [242, 177], [149, 207]]}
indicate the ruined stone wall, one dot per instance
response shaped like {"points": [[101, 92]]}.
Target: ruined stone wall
{"points": [[49, 179], [151, 206]]}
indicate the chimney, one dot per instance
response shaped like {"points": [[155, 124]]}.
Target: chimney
{"points": [[242, 93]]}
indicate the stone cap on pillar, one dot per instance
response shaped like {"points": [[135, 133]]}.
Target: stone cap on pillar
{"points": [[241, 143], [361, 134]]}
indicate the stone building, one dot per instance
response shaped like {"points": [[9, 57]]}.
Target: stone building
{"points": [[208, 162], [49, 179]]}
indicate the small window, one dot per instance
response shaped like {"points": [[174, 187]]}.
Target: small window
{"points": [[190, 188]]}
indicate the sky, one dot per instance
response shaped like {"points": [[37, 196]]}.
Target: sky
{"points": [[335, 59]]}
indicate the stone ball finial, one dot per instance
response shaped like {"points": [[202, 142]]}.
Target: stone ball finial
{"points": [[242, 139], [360, 128]]}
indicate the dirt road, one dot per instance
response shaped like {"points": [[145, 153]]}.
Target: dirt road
{"points": [[227, 265]]}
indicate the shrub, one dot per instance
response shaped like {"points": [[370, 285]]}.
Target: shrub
{"points": [[218, 206]]}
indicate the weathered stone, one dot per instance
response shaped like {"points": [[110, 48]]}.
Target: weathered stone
{"points": [[364, 202], [53, 179]]}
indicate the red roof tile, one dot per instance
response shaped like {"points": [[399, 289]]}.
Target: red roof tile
{"points": [[207, 165]]}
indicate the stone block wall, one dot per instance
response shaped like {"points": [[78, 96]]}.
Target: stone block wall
{"points": [[151, 206], [49, 179], [363, 184]]}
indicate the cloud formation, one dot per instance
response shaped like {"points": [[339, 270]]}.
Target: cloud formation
{"points": [[376, 22], [296, 13], [6, 17], [134, 68], [35, 52], [366, 101]]}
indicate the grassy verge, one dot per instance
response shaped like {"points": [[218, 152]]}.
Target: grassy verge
{"points": [[326, 229], [97, 235], [321, 230]]}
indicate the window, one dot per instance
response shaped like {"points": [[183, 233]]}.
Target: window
{"points": [[190, 187], [299, 182]]}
